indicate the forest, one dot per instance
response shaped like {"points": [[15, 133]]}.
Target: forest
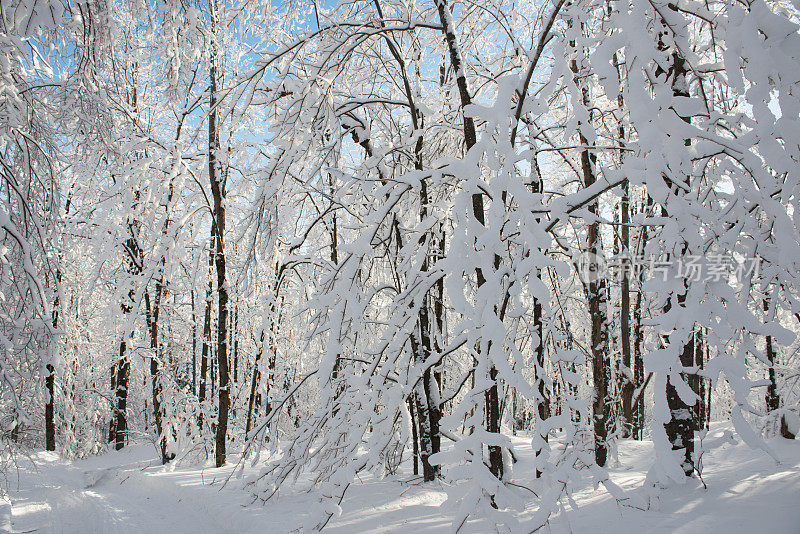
{"points": [[510, 256]]}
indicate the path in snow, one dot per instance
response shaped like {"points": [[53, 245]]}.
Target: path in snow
{"points": [[85, 497], [128, 492]]}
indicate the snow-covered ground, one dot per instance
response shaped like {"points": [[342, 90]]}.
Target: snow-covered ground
{"points": [[127, 491]]}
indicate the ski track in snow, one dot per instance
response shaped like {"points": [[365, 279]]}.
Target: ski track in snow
{"points": [[128, 492]]}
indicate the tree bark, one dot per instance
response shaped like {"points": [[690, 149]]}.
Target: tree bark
{"points": [[492, 396], [638, 345], [112, 425], [596, 295], [625, 316], [697, 382], [254, 384], [49, 409], [681, 426], [625, 284], [218, 192], [414, 434], [123, 370], [773, 399], [204, 357], [542, 410], [123, 375], [152, 310], [194, 346]]}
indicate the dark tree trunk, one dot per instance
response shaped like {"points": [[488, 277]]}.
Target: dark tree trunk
{"points": [[272, 362], [235, 337], [334, 255], [625, 315], [493, 424], [428, 409], [438, 312], [773, 398], [707, 389], [492, 397], [212, 362], [218, 191], [205, 356], [596, 295], [785, 432], [50, 379], [49, 415], [426, 397], [157, 411], [424, 435], [194, 346], [254, 384], [543, 400], [414, 434], [112, 425], [435, 414], [134, 268], [152, 312], [681, 426], [697, 382], [123, 374], [638, 345]]}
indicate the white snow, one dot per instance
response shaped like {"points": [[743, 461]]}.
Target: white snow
{"points": [[127, 491]]}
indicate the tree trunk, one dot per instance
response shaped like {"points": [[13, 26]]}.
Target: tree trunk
{"points": [[414, 434], [428, 409], [205, 356], [49, 383], [218, 192], [152, 310], [254, 384], [707, 389], [492, 397], [123, 374], [50, 379], [272, 361], [235, 337], [542, 410], [194, 346], [123, 371], [439, 340], [638, 345], [49, 412], [681, 426], [773, 399], [596, 295], [424, 402], [112, 425], [153, 314], [625, 310], [625, 327], [425, 432], [543, 400], [697, 382]]}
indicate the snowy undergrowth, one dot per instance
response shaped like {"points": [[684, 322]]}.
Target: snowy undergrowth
{"points": [[128, 491]]}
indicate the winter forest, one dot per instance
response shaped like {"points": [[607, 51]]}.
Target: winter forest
{"points": [[399, 265]]}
